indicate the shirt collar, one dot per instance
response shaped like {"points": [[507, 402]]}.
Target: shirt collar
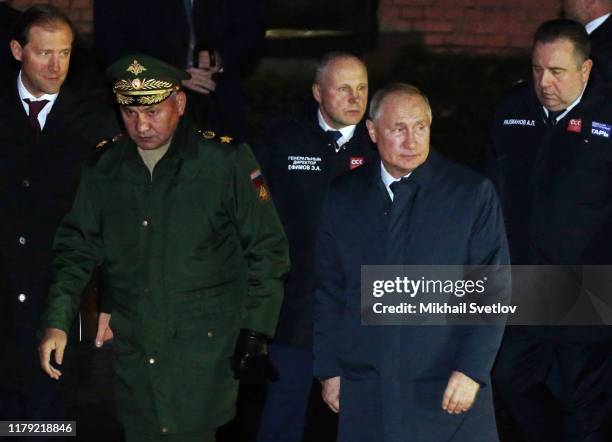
{"points": [[594, 24], [389, 179], [24, 93], [347, 131], [569, 108]]}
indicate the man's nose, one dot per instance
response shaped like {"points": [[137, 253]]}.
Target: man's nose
{"points": [[54, 63], [545, 79], [410, 139], [142, 123]]}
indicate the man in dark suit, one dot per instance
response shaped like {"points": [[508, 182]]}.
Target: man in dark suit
{"points": [[595, 16], [387, 382], [45, 133], [217, 41]]}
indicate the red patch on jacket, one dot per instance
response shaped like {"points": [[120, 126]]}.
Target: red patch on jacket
{"points": [[355, 162]]}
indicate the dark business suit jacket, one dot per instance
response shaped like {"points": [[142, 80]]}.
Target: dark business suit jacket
{"points": [[37, 181], [393, 377]]}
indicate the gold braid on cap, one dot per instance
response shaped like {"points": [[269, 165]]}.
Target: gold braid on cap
{"points": [[143, 91]]}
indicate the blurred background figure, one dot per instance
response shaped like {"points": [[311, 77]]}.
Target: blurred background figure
{"points": [[217, 41], [8, 17], [595, 16]]}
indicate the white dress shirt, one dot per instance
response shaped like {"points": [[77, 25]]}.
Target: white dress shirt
{"points": [[347, 131], [594, 24], [389, 179], [24, 93]]}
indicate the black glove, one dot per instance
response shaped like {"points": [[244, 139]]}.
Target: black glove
{"points": [[250, 361]]}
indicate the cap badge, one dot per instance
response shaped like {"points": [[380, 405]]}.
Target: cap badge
{"points": [[136, 68]]}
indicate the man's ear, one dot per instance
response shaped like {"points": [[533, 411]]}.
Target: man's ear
{"points": [[316, 92], [586, 69], [16, 50], [371, 130]]}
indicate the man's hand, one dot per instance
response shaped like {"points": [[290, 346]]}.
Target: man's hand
{"points": [[104, 331], [460, 393], [54, 339], [250, 361], [202, 80], [331, 393]]}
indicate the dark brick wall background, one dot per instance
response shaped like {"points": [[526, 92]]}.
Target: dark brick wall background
{"points": [[476, 26]]}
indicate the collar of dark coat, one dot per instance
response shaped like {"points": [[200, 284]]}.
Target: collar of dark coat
{"points": [[602, 32], [63, 104], [310, 119], [594, 93], [184, 146], [422, 174]]}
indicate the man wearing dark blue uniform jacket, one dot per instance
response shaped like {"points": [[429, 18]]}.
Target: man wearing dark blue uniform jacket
{"points": [[416, 383], [551, 157], [299, 160]]}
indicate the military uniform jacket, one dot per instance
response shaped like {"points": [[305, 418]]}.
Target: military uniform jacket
{"points": [[188, 258], [299, 162], [555, 182], [38, 178]]}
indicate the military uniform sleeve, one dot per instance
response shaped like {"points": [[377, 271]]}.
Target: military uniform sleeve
{"points": [[78, 250], [264, 243]]}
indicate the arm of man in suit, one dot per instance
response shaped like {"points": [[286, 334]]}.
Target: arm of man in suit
{"points": [[488, 247], [77, 246], [329, 307]]}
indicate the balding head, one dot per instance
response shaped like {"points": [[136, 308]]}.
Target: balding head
{"points": [[341, 89]]}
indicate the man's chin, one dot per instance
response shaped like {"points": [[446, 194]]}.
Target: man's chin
{"points": [[146, 144]]}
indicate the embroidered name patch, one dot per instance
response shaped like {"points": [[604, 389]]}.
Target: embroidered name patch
{"points": [[601, 129], [312, 164], [518, 122], [574, 125], [355, 162]]}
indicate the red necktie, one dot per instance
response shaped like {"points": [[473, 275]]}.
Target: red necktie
{"points": [[35, 108]]}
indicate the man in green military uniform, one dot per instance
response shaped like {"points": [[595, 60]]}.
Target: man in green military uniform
{"points": [[192, 256]]}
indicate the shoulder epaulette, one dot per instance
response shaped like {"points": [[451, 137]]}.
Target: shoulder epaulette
{"points": [[211, 135], [103, 143]]}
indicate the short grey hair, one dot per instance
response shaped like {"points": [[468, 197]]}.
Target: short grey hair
{"points": [[396, 89], [330, 57]]}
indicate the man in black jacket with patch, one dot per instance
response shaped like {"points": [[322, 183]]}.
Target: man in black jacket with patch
{"points": [[299, 160], [46, 131], [551, 157]]}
